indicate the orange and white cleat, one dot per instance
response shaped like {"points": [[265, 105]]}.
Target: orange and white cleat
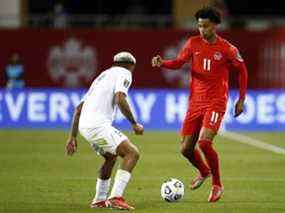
{"points": [[118, 203], [216, 193], [198, 181], [98, 204]]}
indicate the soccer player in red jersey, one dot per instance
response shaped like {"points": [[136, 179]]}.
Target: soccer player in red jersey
{"points": [[211, 58]]}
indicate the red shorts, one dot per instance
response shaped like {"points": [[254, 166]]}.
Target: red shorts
{"points": [[207, 118]]}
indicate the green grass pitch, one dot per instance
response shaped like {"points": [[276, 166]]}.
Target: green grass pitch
{"points": [[36, 176]]}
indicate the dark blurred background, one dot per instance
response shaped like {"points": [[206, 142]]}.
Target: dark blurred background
{"points": [[159, 13], [69, 42]]}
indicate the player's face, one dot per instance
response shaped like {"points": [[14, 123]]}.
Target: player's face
{"points": [[206, 28], [132, 67]]}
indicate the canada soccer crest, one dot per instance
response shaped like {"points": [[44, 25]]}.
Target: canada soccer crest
{"points": [[72, 64], [218, 56]]}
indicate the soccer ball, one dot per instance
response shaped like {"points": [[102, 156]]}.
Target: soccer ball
{"points": [[172, 190]]}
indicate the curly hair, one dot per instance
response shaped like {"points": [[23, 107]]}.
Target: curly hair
{"points": [[209, 13]]}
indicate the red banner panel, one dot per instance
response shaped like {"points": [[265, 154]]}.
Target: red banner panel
{"points": [[72, 58]]}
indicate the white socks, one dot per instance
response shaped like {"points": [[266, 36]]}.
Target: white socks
{"points": [[121, 181], [102, 189], [102, 186]]}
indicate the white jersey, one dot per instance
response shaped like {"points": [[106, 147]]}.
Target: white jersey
{"points": [[99, 108]]}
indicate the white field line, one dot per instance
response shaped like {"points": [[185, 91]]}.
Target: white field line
{"points": [[238, 179], [253, 142]]}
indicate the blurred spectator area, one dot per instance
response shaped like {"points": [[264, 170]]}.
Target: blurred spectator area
{"points": [[136, 13], [102, 13], [242, 14]]}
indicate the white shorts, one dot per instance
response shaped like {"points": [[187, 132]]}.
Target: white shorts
{"points": [[103, 139]]}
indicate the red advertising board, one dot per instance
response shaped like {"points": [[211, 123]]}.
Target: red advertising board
{"points": [[72, 58]]}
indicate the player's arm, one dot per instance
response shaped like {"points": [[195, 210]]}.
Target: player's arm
{"points": [[71, 144], [243, 76], [121, 101], [240, 66], [177, 63], [157, 61]]}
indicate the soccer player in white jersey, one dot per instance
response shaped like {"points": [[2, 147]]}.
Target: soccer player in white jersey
{"points": [[93, 118]]}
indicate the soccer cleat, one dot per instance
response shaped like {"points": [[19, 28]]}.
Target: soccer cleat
{"points": [[198, 181], [118, 203], [99, 204], [216, 193]]}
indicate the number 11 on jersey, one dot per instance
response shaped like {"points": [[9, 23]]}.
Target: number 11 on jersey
{"points": [[206, 64]]}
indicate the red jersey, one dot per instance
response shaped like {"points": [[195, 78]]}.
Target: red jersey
{"points": [[210, 65]]}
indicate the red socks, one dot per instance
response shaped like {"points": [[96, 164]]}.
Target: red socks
{"points": [[201, 166], [212, 159]]}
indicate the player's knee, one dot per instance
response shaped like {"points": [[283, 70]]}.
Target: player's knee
{"points": [[107, 166], [112, 161], [186, 151], [207, 134], [203, 144], [135, 154]]}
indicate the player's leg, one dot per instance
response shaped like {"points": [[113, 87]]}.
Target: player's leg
{"points": [[211, 155], [110, 142], [190, 135], [195, 158], [193, 155], [211, 124], [103, 181], [130, 155], [212, 158]]}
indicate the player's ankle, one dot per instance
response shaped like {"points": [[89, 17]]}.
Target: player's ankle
{"points": [[205, 173], [218, 184]]}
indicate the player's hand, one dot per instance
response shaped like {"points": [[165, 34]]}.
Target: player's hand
{"points": [[71, 146], [138, 129], [156, 61], [239, 107]]}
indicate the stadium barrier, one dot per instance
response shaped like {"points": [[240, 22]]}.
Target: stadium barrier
{"points": [[72, 58], [155, 109]]}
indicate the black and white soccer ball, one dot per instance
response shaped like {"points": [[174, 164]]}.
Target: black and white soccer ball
{"points": [[172, 190]]}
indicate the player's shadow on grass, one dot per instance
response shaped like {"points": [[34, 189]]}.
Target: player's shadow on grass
{"points": [[252, 201], [229, 201]]}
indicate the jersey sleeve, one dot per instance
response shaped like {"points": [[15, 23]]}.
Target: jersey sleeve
{"points": [[123, 83], [84, 97], [89, 91], [238, 63], [234, 56], [183, 57]]}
